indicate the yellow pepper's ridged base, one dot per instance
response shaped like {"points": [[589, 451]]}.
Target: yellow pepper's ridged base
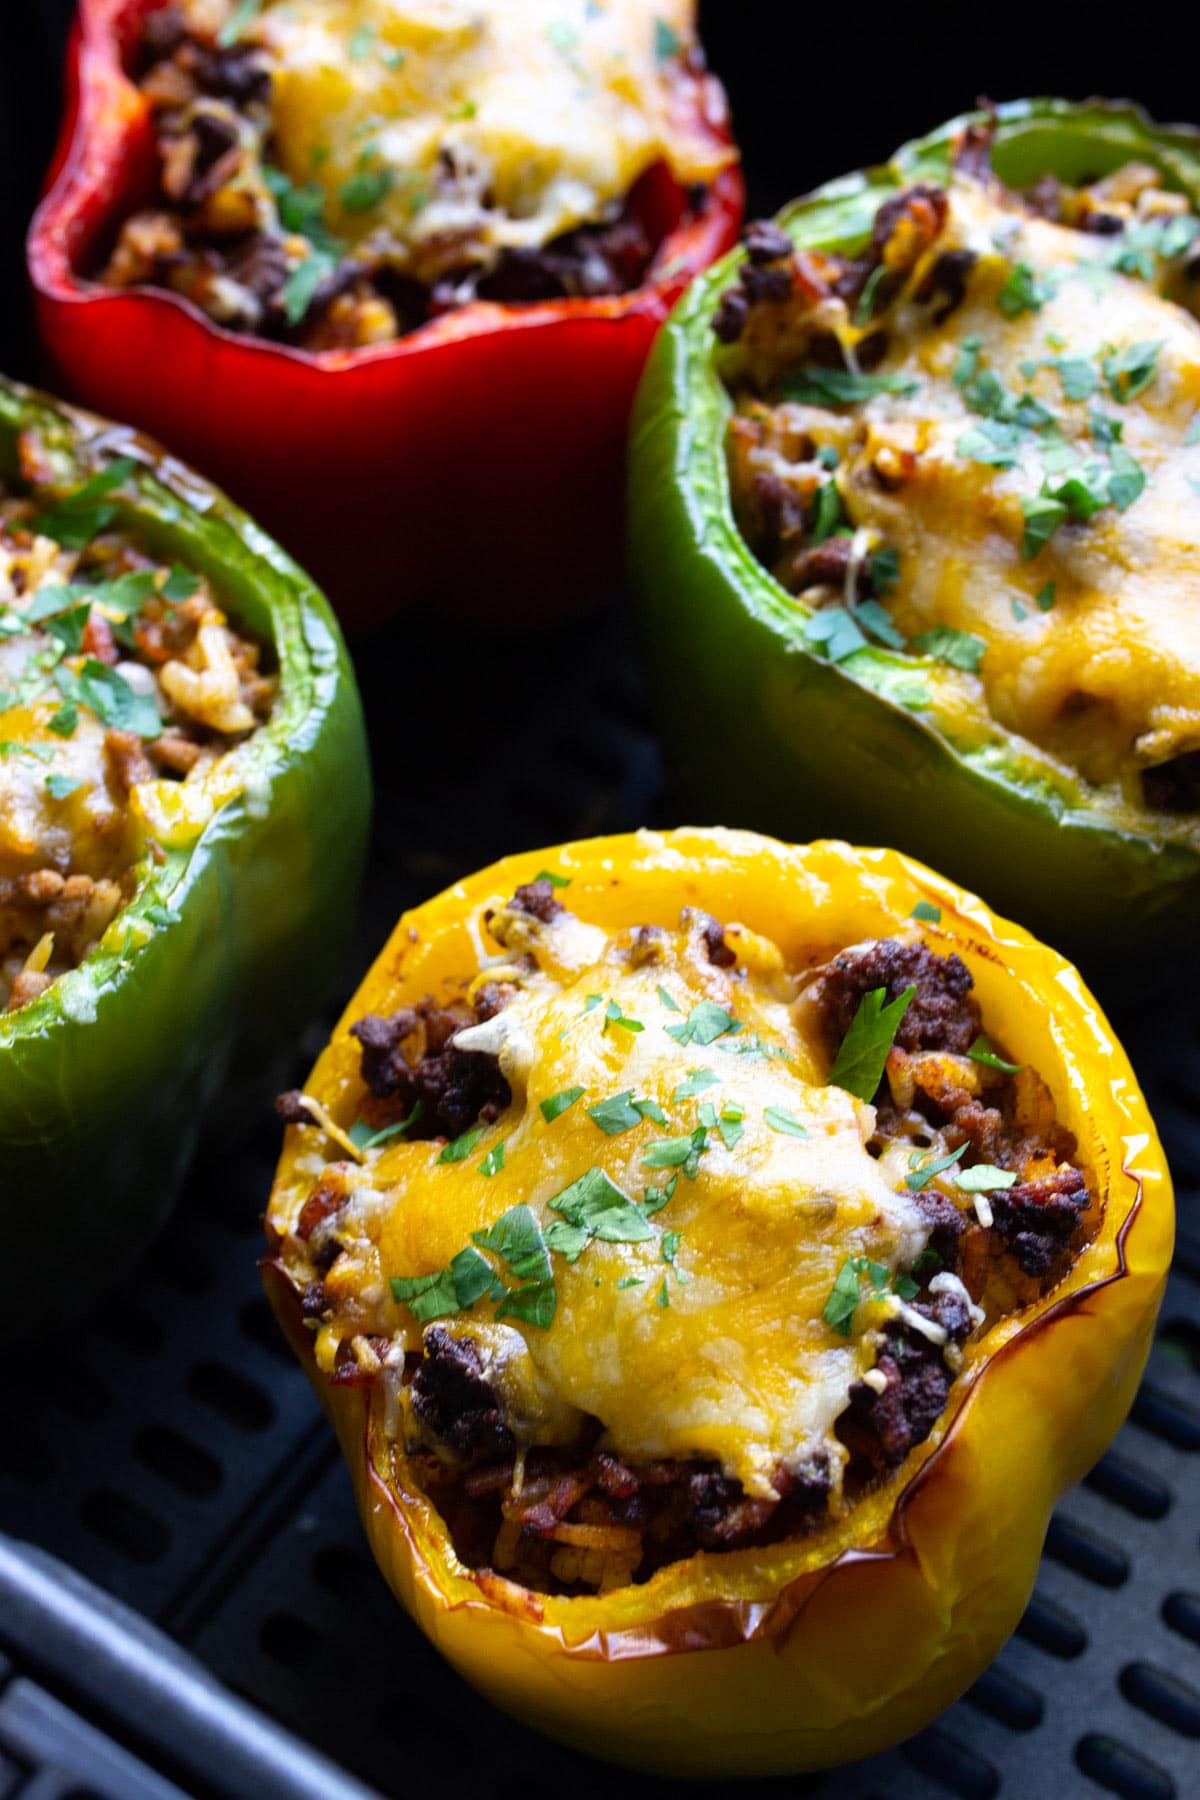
{"points": [[836, 1645]]}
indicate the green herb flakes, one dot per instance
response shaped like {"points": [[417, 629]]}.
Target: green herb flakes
{"points": [[461, 1147], [558, 1103], [300, 288], [960, 649], [920, 1173], [695, 1082], [1129, 372], [360, 1133], [1023, 292], [493, 1162], [620, 1021], [782, 1121], [555, 880], [595, 1204], [815, 386], [77, 518], [858, 1066], [984, 1178], [59, 786], [366, 189], [704, 1025], [666, 41], [1043, 515], [927, 912]]}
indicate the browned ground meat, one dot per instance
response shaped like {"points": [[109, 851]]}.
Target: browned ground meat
{"points": [[455, 1088], [1038, 1219], [538, 899], [453, 1402], [942, 1015]]}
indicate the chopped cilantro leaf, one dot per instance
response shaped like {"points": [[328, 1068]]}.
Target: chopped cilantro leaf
{"points": [[621, 1113], [461, 1147], [180, 584], [704, 1024], [981, 1052], [629, 1281], [924, 909], [967, 366], [243, 14], [696, 1081], [456, 1288], [59, 786], [984, 1178], [360, 1133], [782, 1121], [671, 1241], [555, 880], [833, 631], [1129, 372], [815, 386], [63, 722], [838, 1311], [1045, 597], [75, 520], [110, 697], [1127, 480], [960, 649], [558, 1103], [1043, 515], [1022, 292], [662, 1298], [493, 1162], [858, 1065], [866, 300], [666, 41], [362, 42], [366, 189], [666, 1000], [517, 1239], [874, 619], [300, 288], [620, 1021], [654, 1199], [595, 1204], [568, 1241], [922, 1173], [678, 1152], [827, 514], [885, 571]]}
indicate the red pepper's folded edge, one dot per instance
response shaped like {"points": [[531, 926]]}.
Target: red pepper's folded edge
{"points": [[518, 401]]}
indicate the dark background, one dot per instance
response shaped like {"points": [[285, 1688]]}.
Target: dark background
{"points": [[176, 1455]]}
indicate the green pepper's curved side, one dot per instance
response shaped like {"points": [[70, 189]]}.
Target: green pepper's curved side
{"points": [[766, 734], [104, 1079]]}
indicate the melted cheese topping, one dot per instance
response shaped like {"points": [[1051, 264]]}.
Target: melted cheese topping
{"points": [[481, 127], [724, 1354], [1107, 679]]}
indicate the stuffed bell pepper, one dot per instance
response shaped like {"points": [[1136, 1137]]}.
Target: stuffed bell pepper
{"points": [[915, 489], [717, 1258], [419, 253], [183, 809]]}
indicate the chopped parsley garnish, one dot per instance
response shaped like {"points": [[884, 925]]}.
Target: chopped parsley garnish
{"points": [[454, 1289], [663, 1298], [180, 584], [922, 1173], [694, 1083], [981, 1052], [984, 1178], [671, 1241], [362, 42], [77, 518], [620, 1021], [878, 624], [596, 1206], [666, 1000], [161, 915], [815, 386], [1023, 292], [654, 1199], [460, 1148], [558, 1103], [866, 300], [925, 910], [834, 632], [666, 41], [63, 722], [859, 1063], [846, 1292], [365, 189], [1127, 478], [1043, 515], [300, 288], [705, 1024], [360, 1133], [827, 513], [629, 1281], [729, 1124], [885, 571], [678, 1152], [59, 786], [960, 649], [1045, 597], [516, 1238], [623, 1112], [110, 697], [967, 366], [555, 880], [301, 209], [782, 1121], [1129, 372], [242, 15], [493, 1162]]}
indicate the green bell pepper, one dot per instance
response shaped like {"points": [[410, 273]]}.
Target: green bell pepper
{"points": [[230, 940], [766, 733]]}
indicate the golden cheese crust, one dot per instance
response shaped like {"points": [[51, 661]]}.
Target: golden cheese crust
{"points": [[1020, 443]]}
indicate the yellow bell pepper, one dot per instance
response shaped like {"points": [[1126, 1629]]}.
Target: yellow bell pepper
{"points": [[834, 1644]]}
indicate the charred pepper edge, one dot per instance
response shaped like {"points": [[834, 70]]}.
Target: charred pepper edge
{"points": [[105, 109], [314, 676], [717, 1621], [683, 398]]}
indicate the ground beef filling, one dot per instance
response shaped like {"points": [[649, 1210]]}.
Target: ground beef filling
{"points": [[227, 231], [575, 1517], [108, 616]]}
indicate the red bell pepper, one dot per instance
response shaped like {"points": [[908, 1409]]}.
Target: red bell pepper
{"points": [[475, 463]]}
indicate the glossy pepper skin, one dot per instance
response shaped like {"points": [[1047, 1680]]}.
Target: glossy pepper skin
{"points": [[476, 462], [765, 733], [835, 1645], [105, 1078]]}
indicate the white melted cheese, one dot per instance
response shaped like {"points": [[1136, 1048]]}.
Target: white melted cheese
{"points": [[724, 1355], [483, 126]]}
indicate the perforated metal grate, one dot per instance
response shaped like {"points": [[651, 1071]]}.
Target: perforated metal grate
{"points": [[174, 1453]]}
